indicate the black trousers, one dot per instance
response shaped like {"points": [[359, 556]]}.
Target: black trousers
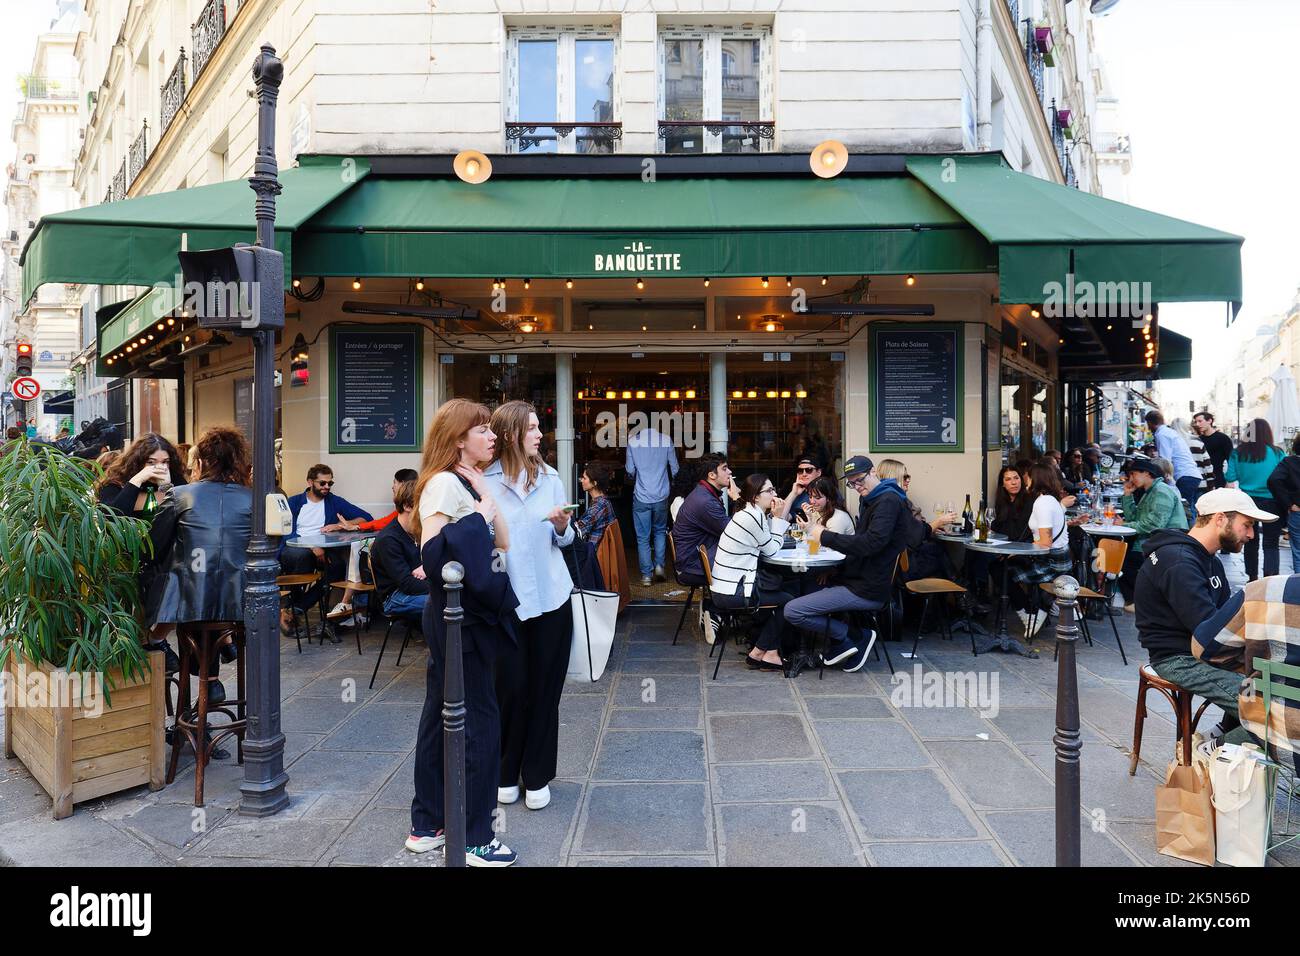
{"points": [[775, 630], [482, 742], [1128, 578], [303, 560], [530, 680], [1271, 532]]}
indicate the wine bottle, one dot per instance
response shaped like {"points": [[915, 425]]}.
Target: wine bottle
{"points": [[967, 518], [150, 503], [981, 523]]}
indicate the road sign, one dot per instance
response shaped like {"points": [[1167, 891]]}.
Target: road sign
{"points": [[26, 389]]}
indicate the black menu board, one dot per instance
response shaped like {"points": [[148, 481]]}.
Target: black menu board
{"points": [[916, 387], [375, 388]]}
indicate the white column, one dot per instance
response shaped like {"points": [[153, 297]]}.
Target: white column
{"points": [[564, 420], [718, 402]]}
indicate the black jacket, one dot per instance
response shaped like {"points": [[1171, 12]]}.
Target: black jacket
{"points": [[1284, 484], [885, 527], [393, 557], [1179, 585], [1012, 518], [1219, 447], [120, 499], [200, 540], [487, 597]]}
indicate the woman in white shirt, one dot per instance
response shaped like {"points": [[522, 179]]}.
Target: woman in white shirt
{"points": [[825, 508], [530, 676], [459, 523], [1049, 530], [752, 533]]}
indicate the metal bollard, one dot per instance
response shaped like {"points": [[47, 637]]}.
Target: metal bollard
{"points": [[453, 720], [1069, 824]]}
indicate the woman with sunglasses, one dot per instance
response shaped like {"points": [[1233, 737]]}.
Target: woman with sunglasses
{"points": [[754, 531]]}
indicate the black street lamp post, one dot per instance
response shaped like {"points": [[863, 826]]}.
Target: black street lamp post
{"points": [[1067, 738], [263, 790]]}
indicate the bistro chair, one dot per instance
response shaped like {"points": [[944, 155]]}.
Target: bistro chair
{"points": [[870, 619], [1181, 700], [364, 565], [414, 625], [928, 588], [197, 642], [294, 585], [1111, 562], [1278, 683], [690, 595], [729, 619]]}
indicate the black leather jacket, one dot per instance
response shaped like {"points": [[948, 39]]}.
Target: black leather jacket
{"points": [[200, 540]]}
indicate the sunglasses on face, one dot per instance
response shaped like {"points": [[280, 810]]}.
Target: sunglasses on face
{"points": [[805, 471], [326, 484]]}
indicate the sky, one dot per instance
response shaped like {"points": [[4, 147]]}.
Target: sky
{"points": [[1207, 91]]}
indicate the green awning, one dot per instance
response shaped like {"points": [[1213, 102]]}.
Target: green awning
{"points": [[1175, 356], [1043, 231], [137, 318], [135, 241], [589, 228]]}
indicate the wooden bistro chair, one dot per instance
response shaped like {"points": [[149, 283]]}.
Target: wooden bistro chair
{"points": [[613, 564], [292, 585], [690, 595], [730, 619], [1113, 551], [364, 565], [929, 588], [1181, 700]]}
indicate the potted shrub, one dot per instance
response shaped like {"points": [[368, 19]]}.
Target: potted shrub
{"points": [[84, 701], [1043, 40]]}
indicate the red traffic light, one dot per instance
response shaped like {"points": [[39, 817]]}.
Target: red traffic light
{"points": [[24, 348]]}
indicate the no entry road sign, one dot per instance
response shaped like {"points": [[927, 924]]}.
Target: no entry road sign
{"points": [[25, 389]]}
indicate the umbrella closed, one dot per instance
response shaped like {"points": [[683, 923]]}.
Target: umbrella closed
{"points": [[1284, 407]]}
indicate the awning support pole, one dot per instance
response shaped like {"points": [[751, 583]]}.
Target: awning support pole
{"points": [[263, 790]]}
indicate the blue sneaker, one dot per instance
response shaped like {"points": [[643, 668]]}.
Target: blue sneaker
{"points": [[859, 658], [495, 853], [424, 842], [837, 651]]}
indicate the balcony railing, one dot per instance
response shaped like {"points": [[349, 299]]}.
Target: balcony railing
{"points": [[173, 94], [47, 88], [744, 87], [205, 34], [738, 136], [1034, 61], [138, 154], [1062, 147], [1013, 6], [545, 137], [119, 183]]}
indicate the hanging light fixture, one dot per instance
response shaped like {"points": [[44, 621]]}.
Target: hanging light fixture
{"points": [[828, 159], [640, 283], [764, 282], [419, 284], [690, 393], [528, 283], [527, 324], [825, 279], [911, 280], [706, 282], [472, 167], [299, 369], [568, 283], [789, 281], [356, 284]]}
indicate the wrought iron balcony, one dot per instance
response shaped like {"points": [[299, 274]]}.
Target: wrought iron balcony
{"points": [[1014, 7], [1034, 60], [173, 94], [138, 154], [119, 183], [738, 136], [206, 34], [545, 137]]}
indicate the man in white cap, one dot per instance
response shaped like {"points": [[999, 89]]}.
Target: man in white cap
{"points": [[1182, 583]]}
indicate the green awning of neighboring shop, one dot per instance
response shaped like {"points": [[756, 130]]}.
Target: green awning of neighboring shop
{"points": [[138, 318], [135, 241], [1043, 231], [620, 227], [1175, 355]]}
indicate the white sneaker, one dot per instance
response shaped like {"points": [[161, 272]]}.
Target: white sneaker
{"points": [[1032, 625], [340, 610], [507, 795], [537, 799], [710, 628], [423, 844]]}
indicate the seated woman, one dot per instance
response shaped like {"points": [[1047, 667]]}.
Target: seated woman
{"points": [[825, 506], [752, 533], [1048, 525], [212, 518]]}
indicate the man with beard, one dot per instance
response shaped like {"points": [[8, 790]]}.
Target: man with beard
{"points": [[1182, 583]]}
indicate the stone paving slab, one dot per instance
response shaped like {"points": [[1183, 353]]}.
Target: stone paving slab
{"points": [[780, 835], [661, 818], [906, 804], [758, 737], [968, 853], [852, 744], [771, 781], [650, 755], [993, 773]]}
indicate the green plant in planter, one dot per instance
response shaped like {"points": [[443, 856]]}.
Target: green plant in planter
{"points": [[68, 567]]}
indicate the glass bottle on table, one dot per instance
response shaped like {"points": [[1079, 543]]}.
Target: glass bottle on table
{"points": [[967, 518], [981, 523]]}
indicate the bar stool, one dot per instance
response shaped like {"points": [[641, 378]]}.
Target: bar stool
{"points": [[198, 641], [295, 584], [1181, 700]]}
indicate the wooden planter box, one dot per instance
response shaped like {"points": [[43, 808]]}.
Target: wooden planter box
{"points": [[76, 754]]}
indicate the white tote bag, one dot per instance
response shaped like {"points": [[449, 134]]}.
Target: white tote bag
{"points": [[595, 615], [1241, 806]]}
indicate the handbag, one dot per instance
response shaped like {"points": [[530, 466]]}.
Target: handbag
{"points": [[595, 618], [1241, 806]]}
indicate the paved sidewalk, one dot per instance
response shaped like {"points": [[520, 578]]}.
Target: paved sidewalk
{"points": [[661, 766]]}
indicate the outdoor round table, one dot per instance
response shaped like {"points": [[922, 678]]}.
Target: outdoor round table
{"points": [[1108, 531], [328, 539], [800, 561], [1011, 550]]}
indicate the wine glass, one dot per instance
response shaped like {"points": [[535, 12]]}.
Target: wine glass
{"points": [[989, 514]]}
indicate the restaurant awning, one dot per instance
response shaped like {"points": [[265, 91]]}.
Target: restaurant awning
{"points": [[1043, 230], [135, 241]]}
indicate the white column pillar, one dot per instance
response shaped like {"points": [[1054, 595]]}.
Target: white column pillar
{"points": [[564, 420], [718, 402]]}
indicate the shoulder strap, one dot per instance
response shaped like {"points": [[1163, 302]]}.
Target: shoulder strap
{"points": [[468, 487]]}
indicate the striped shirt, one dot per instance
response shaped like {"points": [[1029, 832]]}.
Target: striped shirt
{"points": [[1201, 458], [749, 533]]}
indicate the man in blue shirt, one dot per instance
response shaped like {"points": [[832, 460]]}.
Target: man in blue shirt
{"points": [[652, 462], [1172, 447]]}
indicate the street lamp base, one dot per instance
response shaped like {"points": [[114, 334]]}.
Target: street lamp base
{"points": [[263, 799]]}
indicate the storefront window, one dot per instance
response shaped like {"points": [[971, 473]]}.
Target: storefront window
{"points": [[495, 379], [779, 410]]}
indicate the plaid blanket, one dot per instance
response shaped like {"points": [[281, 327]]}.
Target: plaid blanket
{"points": [[1261, 620]]}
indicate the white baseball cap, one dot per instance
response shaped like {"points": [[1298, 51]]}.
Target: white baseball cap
{"points": [[1231, 499]]}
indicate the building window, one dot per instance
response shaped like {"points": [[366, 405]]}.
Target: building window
{"points": [[562, 94], [715, 90]]}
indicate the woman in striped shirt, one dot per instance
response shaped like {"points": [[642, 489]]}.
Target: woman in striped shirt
{"points": [[752, 532]]}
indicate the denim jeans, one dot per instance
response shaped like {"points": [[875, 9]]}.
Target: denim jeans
{"points": [[812, 611], [402, 604], [1190, 488], [1205, 680], [650, 517]]}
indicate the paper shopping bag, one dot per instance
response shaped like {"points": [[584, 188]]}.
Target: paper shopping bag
{"points": [[1185, 815]]}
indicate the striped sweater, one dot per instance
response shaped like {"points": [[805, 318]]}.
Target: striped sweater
{"points": [[748, 534], [1201, 458]]}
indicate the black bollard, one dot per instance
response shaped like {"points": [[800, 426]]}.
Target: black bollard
{"points": [[453, 719], [1069, 824]]}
